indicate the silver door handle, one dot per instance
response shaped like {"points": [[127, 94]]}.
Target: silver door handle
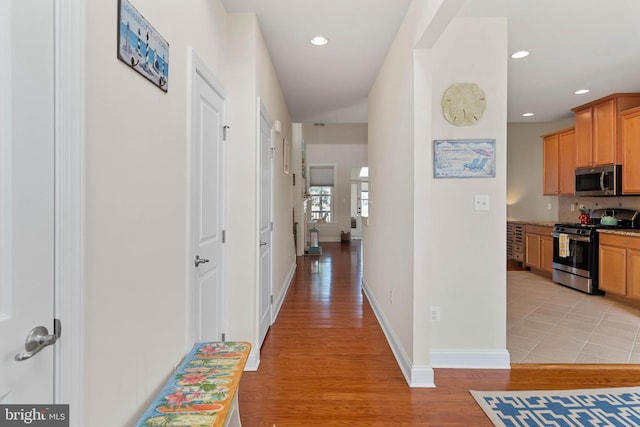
{"points": [[199, 260], [263, 243], [37, 339]]}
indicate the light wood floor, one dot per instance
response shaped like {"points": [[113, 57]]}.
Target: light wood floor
{"points": [[326, 362]]}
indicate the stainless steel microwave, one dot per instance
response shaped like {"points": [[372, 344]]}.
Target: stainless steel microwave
{"points": [[605, 180]]}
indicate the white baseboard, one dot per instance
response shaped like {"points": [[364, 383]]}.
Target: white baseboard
{"points": [[280, 298], [253, 361], [471, 359], [416, 376]]}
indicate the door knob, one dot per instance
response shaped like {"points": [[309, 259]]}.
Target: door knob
{"points": [[263, 243], [199, 260], [37, 339]]}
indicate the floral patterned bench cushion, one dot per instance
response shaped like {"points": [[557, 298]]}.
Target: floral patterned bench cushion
{"points": [[202, 389]]}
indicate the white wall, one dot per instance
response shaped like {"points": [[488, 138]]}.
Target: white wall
{"points": [[136, 182], [284, 256], [136, 198], [388, 234], [472, 299], [443, 253]]}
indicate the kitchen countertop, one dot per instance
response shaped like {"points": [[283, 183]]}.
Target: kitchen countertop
{"points": [[627, 232], [539, 223]]}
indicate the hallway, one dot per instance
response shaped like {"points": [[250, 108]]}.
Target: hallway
{"points": [[326, 362]]}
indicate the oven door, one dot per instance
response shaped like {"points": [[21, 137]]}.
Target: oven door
{"points": [[580, 258]]}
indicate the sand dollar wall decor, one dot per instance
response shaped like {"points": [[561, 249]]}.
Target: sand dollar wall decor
{"points": [[463, 104]]}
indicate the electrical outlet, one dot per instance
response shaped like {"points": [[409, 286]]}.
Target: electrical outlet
{"points": [[435, 314], [573, 207]]}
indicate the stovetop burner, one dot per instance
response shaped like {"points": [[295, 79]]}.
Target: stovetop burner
{"points": [[627, 219]]}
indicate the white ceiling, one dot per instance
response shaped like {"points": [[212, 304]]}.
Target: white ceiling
{"points": [[574, 44]]}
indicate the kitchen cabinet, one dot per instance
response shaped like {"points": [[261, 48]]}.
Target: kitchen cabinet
{"points": [[539, 247], [597, 129], [559, 162], [620, 265], [630, 135]]}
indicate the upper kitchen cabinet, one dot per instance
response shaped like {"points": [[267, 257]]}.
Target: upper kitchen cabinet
{"points": [[597, 129], [559, 162], [630, 135]]}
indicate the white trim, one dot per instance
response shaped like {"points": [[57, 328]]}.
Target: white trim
{"points": [[70, 205], [253, 362], [262, 112], [6, 157], [280, 300], [416, 376], [471, 359], [197, 66]]}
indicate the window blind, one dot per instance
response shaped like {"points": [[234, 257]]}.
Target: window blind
{"points": [[321, 175]]}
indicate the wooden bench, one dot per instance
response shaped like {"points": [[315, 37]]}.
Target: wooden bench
{"points": [[203, 391]]}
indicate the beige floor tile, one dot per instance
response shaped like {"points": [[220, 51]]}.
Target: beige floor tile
{"points": [[537, 358], [584, 318], [611, 341], [553, 354], [576, 324], [550, 323], [570, 333], [607, 353], [525, 332], [587, 358]]}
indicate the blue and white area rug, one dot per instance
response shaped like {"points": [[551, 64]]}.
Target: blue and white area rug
{"points": [[589, 407]]}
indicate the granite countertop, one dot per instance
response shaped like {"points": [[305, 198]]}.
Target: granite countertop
{"points": [[539, 223], [627, 232]]}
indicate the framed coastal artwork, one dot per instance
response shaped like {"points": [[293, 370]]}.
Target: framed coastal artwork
{"points": [[464, 158], [141, 47]]}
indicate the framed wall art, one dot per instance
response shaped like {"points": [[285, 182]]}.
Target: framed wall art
{"points": [[286, 150], [464, 158], [141, 47]]}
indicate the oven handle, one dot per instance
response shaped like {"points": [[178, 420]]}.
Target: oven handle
{"points": [[576, 238], [602, 181]]}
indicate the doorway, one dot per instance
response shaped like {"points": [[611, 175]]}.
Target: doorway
{"points": [[27, 200], [206, 259], [359, 199], [265, 223]]}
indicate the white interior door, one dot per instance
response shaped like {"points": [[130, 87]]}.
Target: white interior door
{"points": [[26, 196], [207, 261], [265, 225]]}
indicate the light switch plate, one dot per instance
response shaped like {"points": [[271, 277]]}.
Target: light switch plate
{"points": [[481, 202]]}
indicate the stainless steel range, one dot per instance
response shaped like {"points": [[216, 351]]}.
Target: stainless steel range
{"points": [[575, 248]]}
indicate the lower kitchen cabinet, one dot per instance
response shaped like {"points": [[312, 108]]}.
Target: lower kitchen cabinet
{"points": [[620, 265], [539, 247]]}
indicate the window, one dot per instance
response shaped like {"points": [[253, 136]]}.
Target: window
{"points": [[321, 202], [321, 190]]}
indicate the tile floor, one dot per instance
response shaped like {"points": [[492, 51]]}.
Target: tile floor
{"points": [[550, 323]]}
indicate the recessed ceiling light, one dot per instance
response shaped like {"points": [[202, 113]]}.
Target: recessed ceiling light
{"points": [[520, 54], [581, 91], [527, 115], [319, 41]]}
